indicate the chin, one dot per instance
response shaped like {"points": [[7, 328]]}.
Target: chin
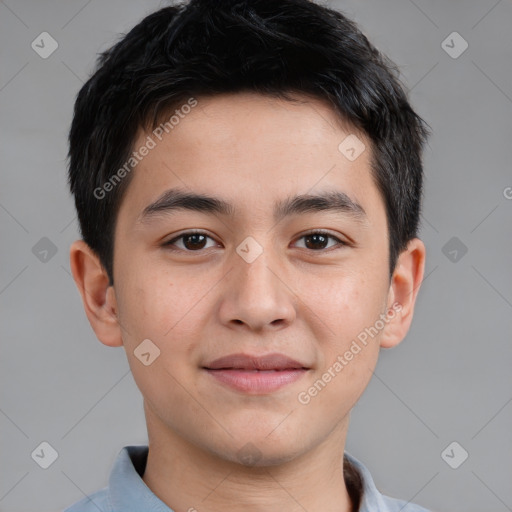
{"points": [[255, 448], [256, 455]]}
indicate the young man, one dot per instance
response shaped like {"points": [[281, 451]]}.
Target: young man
{"points": [[247, 176]]}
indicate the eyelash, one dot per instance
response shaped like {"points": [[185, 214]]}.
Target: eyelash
{"points": [[326, 234]]}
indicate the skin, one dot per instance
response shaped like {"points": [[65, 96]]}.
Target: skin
{"points": [[303, 299]]}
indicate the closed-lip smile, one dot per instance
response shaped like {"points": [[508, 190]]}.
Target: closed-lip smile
{"points": [[256, 374]]}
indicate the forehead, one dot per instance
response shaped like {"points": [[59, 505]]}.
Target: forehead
{"points": [[233, 118], [253, 149]]}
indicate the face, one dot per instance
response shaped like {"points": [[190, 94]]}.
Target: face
{"points": [[254, 272]]}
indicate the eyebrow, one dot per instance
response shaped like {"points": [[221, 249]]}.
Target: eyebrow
{"points": [[178, 200]]}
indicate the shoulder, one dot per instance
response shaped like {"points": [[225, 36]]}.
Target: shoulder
{"points": [[367, 497], [96, 501]]}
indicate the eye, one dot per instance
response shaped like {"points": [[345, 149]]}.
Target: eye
{"points": [[317, 240], [193, 241]]}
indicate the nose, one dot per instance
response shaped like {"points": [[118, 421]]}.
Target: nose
{"points": [[258, 295]]}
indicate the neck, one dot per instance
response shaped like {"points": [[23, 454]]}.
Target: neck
{"points": [[189, 478]]}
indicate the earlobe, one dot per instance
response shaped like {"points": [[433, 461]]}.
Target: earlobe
{"points": [[97, 296], [405, 284]]}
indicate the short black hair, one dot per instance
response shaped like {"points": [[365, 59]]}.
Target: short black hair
{"points": [[206, 47]]}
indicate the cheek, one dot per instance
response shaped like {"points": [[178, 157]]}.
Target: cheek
{"points": [[170, 310], [347, 304], [159, 308], [348, 347], [155, 301], [349, 307]]}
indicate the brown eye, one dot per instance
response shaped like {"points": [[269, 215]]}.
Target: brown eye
{"points": [[194, 241], [190, 242], [318, 240]]}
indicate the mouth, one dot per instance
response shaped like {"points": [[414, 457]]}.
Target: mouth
{"points": [[271, 362], [256, 375]]}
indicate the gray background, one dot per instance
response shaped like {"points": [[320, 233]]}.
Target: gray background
{"points": [[448, 381]]}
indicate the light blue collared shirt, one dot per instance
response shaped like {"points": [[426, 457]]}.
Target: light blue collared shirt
{"points": [[127, 492]]}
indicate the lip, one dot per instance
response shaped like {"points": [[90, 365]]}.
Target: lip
{"points": [[256, 382], [256, 374], [274, 361]]}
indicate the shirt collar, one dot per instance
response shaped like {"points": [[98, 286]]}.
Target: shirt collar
{"points": [[128, 492], [372, 499]]}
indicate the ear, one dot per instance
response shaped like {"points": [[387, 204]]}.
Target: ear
{"points": [[98, 297], [403, 290]]}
